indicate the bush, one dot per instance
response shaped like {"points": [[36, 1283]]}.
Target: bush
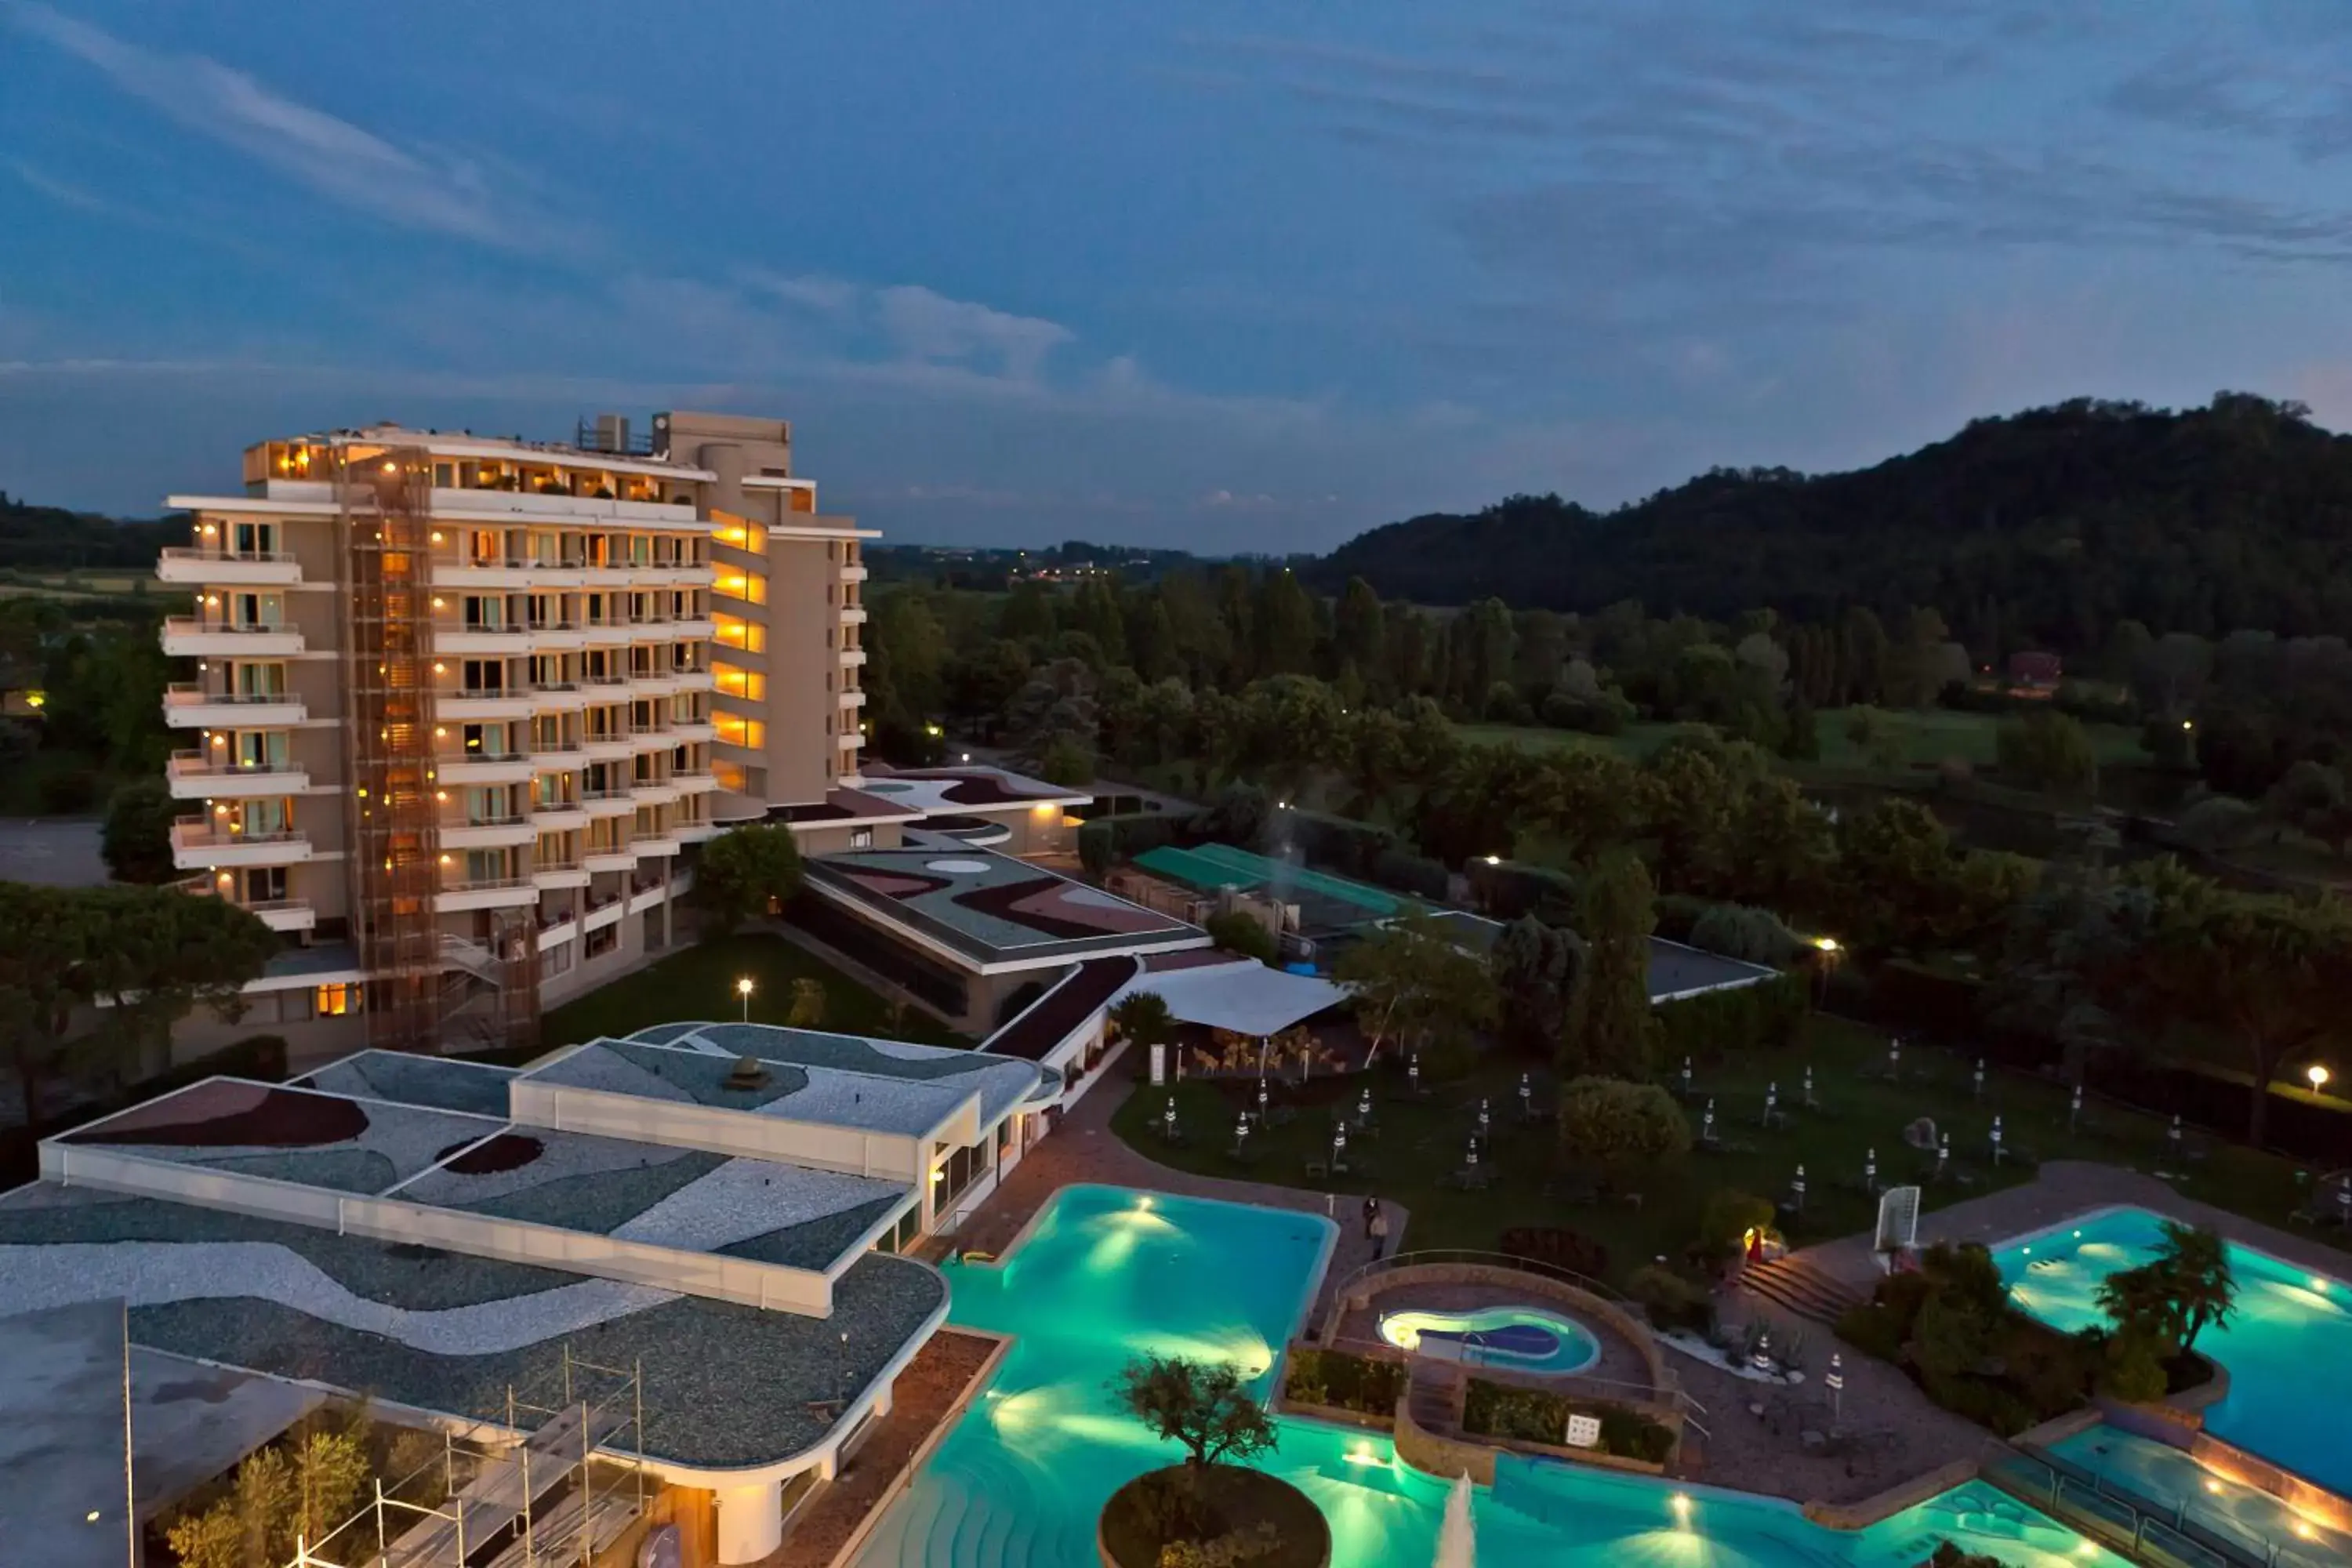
{"points": [[1717, 1024], [1108, 841], [1535, 1416], [1950, 1326], [1238, 932], [1751, 935], [1614, 1125], [2220, 822], [1671, 1300], [1339, 844], [137, 838], [1412, 874], [1568, 1249], [1509, 889], [1728, 1218], [1678, 914], [1343, 1381]]}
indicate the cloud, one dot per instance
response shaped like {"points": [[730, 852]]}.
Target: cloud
{"points": [[928, 326], [63, 193], [408, 188]]}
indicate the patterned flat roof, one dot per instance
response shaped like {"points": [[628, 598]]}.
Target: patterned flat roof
{"points": [[989, 908]]}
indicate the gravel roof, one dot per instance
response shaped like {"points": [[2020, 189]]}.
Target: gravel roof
{"points": [[1002, 1084], [436, 1083], [898, 1103], [442, 1332], [987, 907]]}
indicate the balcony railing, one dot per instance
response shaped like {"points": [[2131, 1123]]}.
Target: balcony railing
{"points": [[188, 764], [203, 557], [193, 693], [198, 833]]}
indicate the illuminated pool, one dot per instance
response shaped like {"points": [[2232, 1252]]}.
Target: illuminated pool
{"points": [[2288, 1345], [1106, 1272], [1523, 1338]]}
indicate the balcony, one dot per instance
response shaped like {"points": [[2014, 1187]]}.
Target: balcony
{"points": [[599, 803], [495, 833], [852, 697], [198, 844], [515, 574], [655, 792], [610, 859], [851, 658], [199, 567], [559, 696], [606, 634], [492, 640], [286, 914], [693, 784], [485, 702], [613, 746], [559, 816], [545, 875], [474, 768], [192, 637], [685, 731], [656, 845], [849, 739], [697, 681], [192, 775], [189, 705], [697, 832], [458, 895], [853, 615], [854, 572]]}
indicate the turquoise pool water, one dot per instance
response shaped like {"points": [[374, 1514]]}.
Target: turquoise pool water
{"points": [[1108, 1272], [2288, 1346], [1525, 1338], [2254, 1520]]}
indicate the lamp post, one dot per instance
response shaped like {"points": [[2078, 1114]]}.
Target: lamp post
{"points": [[1797, 1189], [1485, 1121], [1771, 1100], [2172, 1138], [1870, 1170], [1261, 1100], [1412, 1073], [1241, 1133], [1707, 1123], [1364, 1108], [743, 989], [1996, 1139], [1943, 1155], [1526, 1097], [2074, 1110], [1167, 1119], [1809, 1086], [1836, 1384], [1893, 1057], [1338, 1144], [1473, 1157], [2318, 1076]]}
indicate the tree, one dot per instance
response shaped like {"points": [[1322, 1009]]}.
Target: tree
{"points": [[1612, 1125], [807, 1011], [744, 873], [2185, 1288], [1206, 1407], [1534, 967], [137, 840], [1409, 982], [100, 974], [1609, 1021], [1143, 1016], [1237, 932], [2049, 751]]}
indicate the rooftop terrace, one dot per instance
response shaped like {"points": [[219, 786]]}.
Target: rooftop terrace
{"points": [[989, 909]]}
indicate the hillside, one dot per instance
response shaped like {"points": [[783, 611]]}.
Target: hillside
{"points": [[2059, 521], [46, 538]]}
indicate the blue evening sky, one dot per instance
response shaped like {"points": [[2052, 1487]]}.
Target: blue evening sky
{"points": [[1230, 275]]}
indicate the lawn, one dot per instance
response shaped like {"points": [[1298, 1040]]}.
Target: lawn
{"points": [[699, 982], [1419, 1144]]}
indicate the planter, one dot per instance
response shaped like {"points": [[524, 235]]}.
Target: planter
{"points": [[1235, 1499]]}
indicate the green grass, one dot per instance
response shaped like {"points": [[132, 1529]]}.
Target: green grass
{"points": [[699, 982], [1421, 1143]]}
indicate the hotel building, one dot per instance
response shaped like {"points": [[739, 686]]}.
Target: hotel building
{"points": [[460, 704]]}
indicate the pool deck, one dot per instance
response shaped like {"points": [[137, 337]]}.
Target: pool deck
{"points": [[2063, 1189]]}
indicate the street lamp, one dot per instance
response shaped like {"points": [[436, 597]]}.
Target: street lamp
{"points": [[743, 989], [2318, 1076]]}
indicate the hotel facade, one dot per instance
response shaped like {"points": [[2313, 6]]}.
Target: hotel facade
{"points": [[460, 705]]}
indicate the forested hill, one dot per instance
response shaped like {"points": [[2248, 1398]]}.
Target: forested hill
{"points": [[43, 538], [2056, 522]]}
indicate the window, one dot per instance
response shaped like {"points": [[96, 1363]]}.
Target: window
{"points": [[751, 587], [248, 679], [485, 612], [485, 676], [335, 1001], [260, 749], [259, 885], [253, 538], [730, 632], [733, 681], [730, 777], [734, 730], [861, 838]]}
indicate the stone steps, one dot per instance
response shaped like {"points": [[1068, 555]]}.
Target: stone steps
{"points": [[1800, 1287]]}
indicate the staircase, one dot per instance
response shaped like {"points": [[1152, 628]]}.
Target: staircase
{"points": [[1435, 1393], [1800, 1288]]}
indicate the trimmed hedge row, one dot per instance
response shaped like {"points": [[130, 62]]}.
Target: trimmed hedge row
{"points": [[1535, 1416], [1508, 890], [1766, 1016], [1106, 840], [1343, 1381]]}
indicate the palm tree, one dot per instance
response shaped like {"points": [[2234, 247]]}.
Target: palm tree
{"points": [[2196, 1264]]}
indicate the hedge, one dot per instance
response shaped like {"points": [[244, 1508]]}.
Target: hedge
{"points": [[1534, 1415], [1340, 845], [1413, 874], [1108, 841], [1508, 890], [1343, 1381], [1766, 1016]]}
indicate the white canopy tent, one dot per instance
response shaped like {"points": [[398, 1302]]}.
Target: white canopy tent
{"points": [[1245, 998]]}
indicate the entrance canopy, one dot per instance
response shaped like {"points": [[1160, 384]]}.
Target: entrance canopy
{"points": [[1245, 998]]}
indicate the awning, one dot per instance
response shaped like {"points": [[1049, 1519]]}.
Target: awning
{"points": [[1247, 998]]}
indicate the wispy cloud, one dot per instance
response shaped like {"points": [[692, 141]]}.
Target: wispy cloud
{"points": [[413, 189]]}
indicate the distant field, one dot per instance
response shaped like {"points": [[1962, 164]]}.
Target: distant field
{"points": [[1927, 738]]}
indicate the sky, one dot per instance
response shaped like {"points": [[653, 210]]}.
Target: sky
{"points": [[1224, 275]]}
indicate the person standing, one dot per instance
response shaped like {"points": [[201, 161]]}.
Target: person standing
{"points": [[1372, 1214], [1380, 1234]]}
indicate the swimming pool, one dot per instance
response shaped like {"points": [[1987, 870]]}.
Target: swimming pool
{"points": [[2288, 1346], [2256, 1521], [1106, 1272], [1524, 1339]]}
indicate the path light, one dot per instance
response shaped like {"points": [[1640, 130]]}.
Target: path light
{"points": [[1980, 1078], [1836, 1380], [1474, 1154], [1686, 1078], [1364, 1105], [1809, 1083], [1240, 1132], [1943, 1154], [1413, 1072], [1707, 1123], [1996, 1139], [2318, 1075], [1527, 1095], [1771, 1100], [1168, 1117], [1485, 1121], [2073, 1107], [1893, 1057], [1870, 1169], [743, 989], [1261, 1100], [1338, 1141], [2172, 1133], [1796, 1189]]}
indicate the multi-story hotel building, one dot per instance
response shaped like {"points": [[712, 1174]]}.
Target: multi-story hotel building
{"points": [[460, 704]]}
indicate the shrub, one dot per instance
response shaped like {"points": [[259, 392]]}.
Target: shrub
{"points": [[1508, 890], [1728, 1216], [1238, 932], [2220, 822], [1343, 1381], [1568, 1249], [1337, 843], [1535, 1416], [1671, 1300], [1413, 874], [1751, 935], [137, 839], [1613, 1125], [744, 873]]}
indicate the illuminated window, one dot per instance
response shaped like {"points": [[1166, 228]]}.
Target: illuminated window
{"points": [[335, 1001], [730, 776], [730, 632], [751, 587], [748, 684], [739, 731]]}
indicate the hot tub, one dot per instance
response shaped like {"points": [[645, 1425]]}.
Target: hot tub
{"points": [[1516, 1339]]}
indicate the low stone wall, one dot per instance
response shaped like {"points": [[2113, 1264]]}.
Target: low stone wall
{"points": [[1359, 1296], [1870, 1511], [2307, 1497], [2058, 1429], [1436, 1454]]}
